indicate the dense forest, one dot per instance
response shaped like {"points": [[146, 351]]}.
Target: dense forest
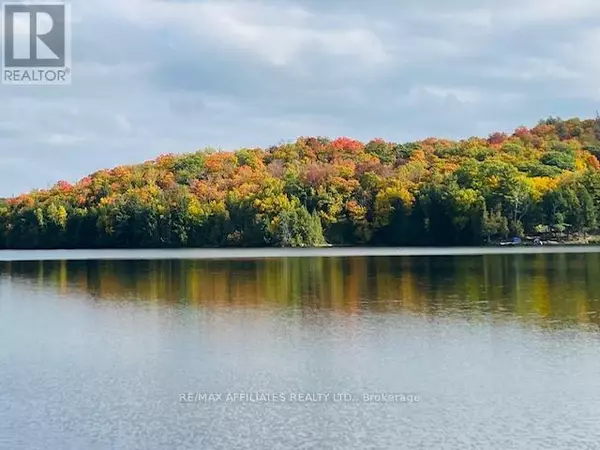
{"points": [[539, 181]]}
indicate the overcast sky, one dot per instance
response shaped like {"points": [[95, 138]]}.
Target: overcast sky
{"points": [[152, 77]]}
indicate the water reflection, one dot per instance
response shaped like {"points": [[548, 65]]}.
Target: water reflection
{"points": [[547, 289]]}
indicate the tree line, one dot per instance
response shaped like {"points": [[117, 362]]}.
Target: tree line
{"points": [[543, 180]]}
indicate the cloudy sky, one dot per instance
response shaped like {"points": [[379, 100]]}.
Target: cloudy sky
{"points": [[153, 77]]}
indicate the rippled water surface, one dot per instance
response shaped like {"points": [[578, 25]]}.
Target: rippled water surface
{"points": [[497, 351]]}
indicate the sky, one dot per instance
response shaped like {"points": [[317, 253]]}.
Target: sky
{"points": [[158, 76]]}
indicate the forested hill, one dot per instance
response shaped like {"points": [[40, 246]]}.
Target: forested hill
{"points": [[541, 180]]}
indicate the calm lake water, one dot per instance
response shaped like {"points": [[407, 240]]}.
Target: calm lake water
{"points": [[493, 351]]}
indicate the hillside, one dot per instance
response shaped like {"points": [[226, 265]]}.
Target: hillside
{"points": [[541, 180]]}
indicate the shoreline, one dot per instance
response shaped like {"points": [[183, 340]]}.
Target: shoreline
{"points": [[266, 253]]}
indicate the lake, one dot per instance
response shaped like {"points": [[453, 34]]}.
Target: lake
{"points": [[314, 349]]}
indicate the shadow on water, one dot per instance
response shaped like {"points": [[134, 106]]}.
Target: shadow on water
{"points": [[548, 289]]}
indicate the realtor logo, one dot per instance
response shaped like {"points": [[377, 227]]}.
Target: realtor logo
{"points": [[36, 43]]}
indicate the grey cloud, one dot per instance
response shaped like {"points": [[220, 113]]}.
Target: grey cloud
{"points": [[149, 80]]}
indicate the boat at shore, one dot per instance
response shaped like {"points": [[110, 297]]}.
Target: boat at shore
{"points": [[535, 242]]}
